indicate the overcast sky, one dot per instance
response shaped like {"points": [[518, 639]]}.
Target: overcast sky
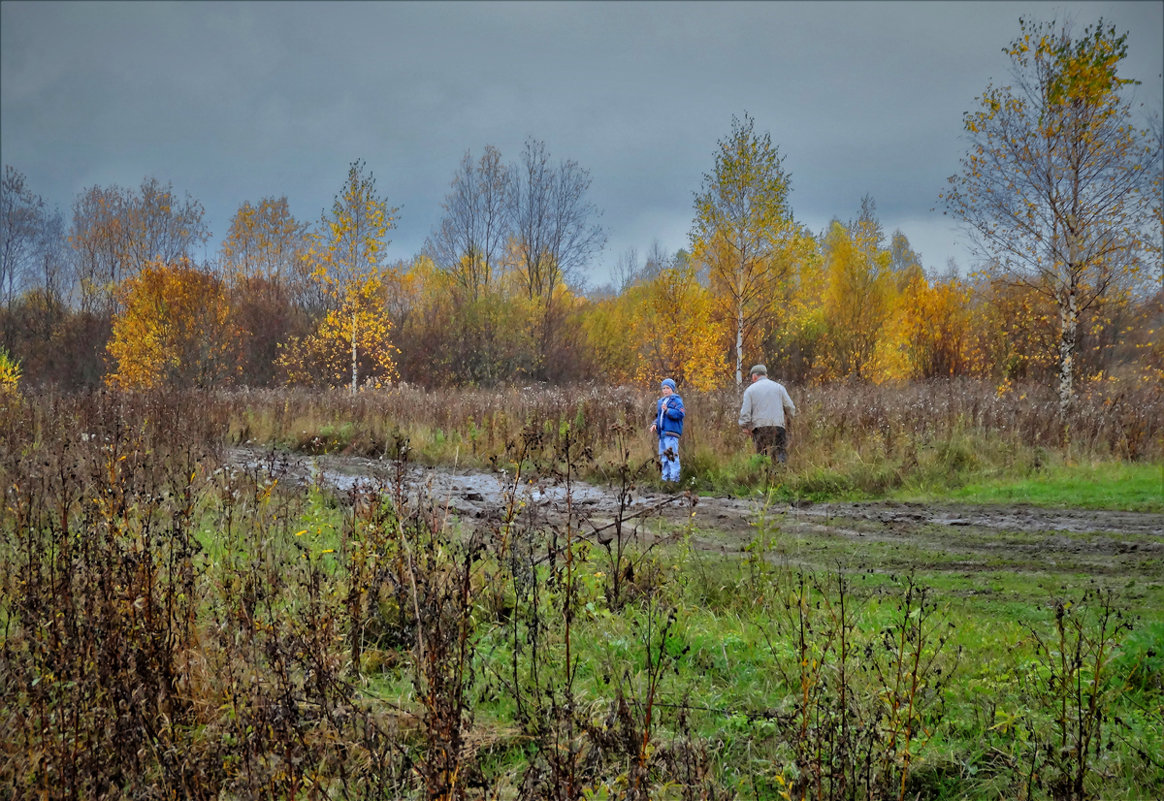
{"points": [[237, 101]]}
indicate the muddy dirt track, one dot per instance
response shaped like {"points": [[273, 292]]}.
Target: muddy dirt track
{"points": [[935, 536]]}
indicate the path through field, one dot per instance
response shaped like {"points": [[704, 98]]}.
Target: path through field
{"points": [[956, 537]]}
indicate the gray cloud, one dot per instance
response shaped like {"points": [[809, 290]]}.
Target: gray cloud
{"points": [[233, 102]]}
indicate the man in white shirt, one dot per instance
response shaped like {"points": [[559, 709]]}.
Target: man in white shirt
{"points": [[762, 414]]}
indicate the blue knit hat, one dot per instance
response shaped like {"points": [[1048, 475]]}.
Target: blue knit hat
{"points": [[667, 382]]}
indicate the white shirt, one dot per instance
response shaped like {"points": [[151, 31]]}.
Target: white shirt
{"points": [[764, 404]]}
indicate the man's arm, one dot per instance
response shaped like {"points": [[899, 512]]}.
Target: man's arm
{"points": [[745, 420]]}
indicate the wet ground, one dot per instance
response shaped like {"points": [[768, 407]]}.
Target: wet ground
{"points": [[935, 535]]}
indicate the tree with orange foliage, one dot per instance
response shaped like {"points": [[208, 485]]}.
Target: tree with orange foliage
{"points": [[174, 330], [663, 324]]}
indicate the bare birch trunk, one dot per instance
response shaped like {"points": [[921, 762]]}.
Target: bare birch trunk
{"points": [[739, 344], [1068, 331], [355, 375]]}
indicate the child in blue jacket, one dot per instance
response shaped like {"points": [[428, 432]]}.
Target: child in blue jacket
{"points": [[668, 426]]}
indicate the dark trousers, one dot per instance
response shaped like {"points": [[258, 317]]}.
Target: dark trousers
{"points": [[772, 441]]}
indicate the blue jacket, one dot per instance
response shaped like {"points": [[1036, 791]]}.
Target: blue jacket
{"points": [[669, 418]]}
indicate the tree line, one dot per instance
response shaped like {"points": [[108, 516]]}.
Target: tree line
{"points": [[1060, 191]]}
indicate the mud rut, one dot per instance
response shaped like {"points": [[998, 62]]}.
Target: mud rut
{"points": [[943, 536]]}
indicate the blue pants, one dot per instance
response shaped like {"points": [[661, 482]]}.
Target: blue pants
{"points": [[669, 456]]}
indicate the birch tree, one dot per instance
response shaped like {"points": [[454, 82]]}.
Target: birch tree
{"points": [[741, 228], [1060, 189], [347, 257]]}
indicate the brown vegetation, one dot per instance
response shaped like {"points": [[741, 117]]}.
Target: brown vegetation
{"points": [[176, 627]]}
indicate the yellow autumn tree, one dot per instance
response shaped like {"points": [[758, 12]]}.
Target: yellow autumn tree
{"points": [[9, 372], [346, 254], [608, 324], [174, 330], [1013, 331], [858, 293], [352, 339], [677, 333], [795, 338], [741, 232], [926, 334]]}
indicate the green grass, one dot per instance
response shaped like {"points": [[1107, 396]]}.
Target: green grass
{"points": [[1095, 485], [732, 631]]}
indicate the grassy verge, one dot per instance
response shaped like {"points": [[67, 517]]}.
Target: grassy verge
{"points": [[1093, 485]]}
